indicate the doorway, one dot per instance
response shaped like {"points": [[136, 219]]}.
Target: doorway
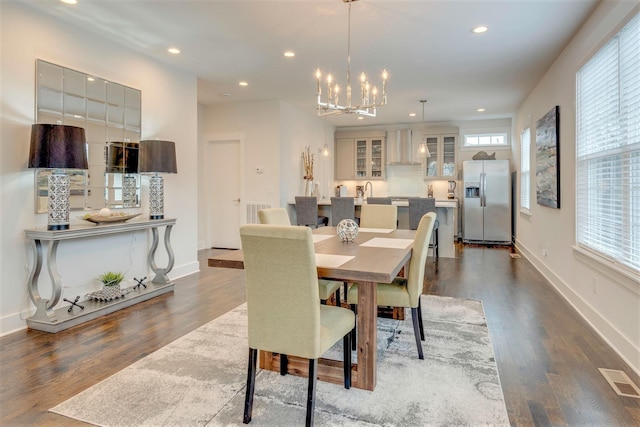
{"points": [[224, 189]]}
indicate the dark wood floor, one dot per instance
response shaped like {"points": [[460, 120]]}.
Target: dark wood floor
{"points": [[547, 356]]}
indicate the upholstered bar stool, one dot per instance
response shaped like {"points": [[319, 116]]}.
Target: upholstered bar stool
{"points": [[379, 200], [379, 216], [418, 206], [307, 212], [342, 208]]}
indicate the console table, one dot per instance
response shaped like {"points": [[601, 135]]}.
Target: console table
{"points": [[48, 319]]}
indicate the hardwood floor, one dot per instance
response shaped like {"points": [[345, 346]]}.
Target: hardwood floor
{"points": [[547, 356]]}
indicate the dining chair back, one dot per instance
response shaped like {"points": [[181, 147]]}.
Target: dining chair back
{"points": [[405, 292], [284, 315], [342, 208], [307, 212], [379, 216], [274, 216], [379, 200], [418, 206], [279, 216]]}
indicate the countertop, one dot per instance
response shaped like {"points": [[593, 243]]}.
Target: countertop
{"points": [[402, 202]]}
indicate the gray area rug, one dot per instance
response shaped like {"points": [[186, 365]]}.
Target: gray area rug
{"points": [[199, 379]]}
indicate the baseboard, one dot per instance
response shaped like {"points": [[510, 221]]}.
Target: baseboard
{"points": [[618, 342]]}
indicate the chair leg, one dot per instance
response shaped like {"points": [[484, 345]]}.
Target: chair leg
{"points": [[354, 341], [416, 331], [338, 302], [284, 364], [251, 383], [420, 319], [323, 301], [436, 254], [346, 348], [311, 391]]}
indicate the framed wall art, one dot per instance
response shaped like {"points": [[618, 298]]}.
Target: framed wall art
{"points": [[548, 159]]}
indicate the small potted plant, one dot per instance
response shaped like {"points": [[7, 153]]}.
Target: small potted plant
{"points": [[111, 283]]}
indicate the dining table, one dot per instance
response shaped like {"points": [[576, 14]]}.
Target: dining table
{"points": [[374, 256]]}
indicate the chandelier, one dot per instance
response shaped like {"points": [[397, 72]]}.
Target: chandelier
{"points": [[369, 96]]}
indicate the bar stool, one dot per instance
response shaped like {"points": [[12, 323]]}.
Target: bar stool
{"points": [[342, 208], [307, 212], [379, 200], [418, 206]]}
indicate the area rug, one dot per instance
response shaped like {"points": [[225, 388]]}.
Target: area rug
{"points": [[199, 380]]}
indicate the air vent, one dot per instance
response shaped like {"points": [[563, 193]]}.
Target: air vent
{"points": [[621, 383]]}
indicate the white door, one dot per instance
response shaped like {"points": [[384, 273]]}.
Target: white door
{"points": [[224, 189]]}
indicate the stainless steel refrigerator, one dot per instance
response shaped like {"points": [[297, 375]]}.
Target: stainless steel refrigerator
{"points": [[487, 201]]}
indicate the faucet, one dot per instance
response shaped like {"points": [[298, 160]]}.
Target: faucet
{"points": [[370, 185]]}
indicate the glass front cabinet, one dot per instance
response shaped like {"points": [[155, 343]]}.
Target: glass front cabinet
{"points": [[360, 155], [442, 160], [370, 158]]}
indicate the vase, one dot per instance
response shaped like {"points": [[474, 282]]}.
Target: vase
{"points": [[308, 187]]}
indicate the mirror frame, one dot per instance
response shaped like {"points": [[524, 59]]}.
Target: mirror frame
{"points": [[108, 112]]}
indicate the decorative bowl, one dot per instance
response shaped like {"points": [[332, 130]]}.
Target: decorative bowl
{"points": [[347, 230], [118, 217]]}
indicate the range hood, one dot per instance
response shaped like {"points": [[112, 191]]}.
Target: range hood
{"points": [[400, 148]]}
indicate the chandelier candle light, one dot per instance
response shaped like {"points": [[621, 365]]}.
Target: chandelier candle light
{"points": [[368, 94]]}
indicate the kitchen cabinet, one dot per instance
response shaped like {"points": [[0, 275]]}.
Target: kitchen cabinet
{"points": [[370, 158], [345, 158], [442, 162], [360, 157]]}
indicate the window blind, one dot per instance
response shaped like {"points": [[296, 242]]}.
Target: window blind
{"points": [[608, 149], [525, 170]]}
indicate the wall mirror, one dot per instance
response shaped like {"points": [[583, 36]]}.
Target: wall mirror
{"points": [[111, 115]]}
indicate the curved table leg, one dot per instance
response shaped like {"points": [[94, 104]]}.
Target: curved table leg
{"points": [[161, 273], [44, 307]]}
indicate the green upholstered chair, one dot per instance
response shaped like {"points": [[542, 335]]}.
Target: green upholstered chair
{"points": [[274, 216], [379, 216], [282, 304], [279, 216], [406, 292]]}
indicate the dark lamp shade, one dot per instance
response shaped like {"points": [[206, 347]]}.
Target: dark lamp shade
{"points": [[57, 147], [157, 156], [122, 157]]}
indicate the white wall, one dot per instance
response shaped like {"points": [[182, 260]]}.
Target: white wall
{"points": [[612, 305], [274, 135], [169, 103]]}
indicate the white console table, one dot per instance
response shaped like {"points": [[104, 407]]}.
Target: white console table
{"points": [[48, 319]]}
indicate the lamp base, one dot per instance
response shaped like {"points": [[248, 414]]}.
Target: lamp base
{"points": [[156, 197], [58, 227], [156, 216], [58, 203]]}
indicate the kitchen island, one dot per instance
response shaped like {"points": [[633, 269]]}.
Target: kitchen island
{"points": [[446, 210]]}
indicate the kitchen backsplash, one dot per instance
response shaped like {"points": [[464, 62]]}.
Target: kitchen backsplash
{"points": [[402, 180]]}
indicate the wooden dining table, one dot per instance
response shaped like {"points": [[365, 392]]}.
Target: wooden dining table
{"points": [[375, 256]]}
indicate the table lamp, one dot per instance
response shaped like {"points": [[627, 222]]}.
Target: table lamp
{"points": [[155, 157], [122, 158], [58, 147]]}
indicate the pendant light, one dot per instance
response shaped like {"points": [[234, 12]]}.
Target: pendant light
{"points": [[423, 150]]}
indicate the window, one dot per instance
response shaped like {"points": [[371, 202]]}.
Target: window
{"points": [[608, 150], [490, 139], [525, 170]]}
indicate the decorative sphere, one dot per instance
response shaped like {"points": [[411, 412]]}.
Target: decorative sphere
{"points": [[105, 212], [347, 230]]}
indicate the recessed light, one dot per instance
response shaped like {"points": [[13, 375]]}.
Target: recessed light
{"points": [[226, 94], [69, 1], [479, 29], [173, 50], [481, 110], [412, 114], [91, 79], [289, 54], [360, 118], [243, 83]]}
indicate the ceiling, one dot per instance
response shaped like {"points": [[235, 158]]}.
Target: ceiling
{"points": [[426, 46]]}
